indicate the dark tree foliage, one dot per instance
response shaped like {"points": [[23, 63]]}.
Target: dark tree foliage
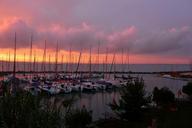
{"points": [[24, 110], [163, 97], [5, 87], [78, 118], [133, 103], [187, 89]]}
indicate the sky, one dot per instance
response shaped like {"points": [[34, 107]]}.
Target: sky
{"points": [[151, 31]]}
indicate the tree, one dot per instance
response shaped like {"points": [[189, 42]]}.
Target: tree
{"points": [[23, 110], [163, 97], [133, 102], [187, 89]]}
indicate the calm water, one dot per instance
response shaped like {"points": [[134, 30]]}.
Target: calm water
{"points": [[98, 102], [95, 67]]}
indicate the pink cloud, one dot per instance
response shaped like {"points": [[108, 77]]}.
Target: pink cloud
{"points": [[80, 36], [122, 39]]}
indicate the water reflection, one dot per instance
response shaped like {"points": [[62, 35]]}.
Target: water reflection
{"points": [[98, 102]]}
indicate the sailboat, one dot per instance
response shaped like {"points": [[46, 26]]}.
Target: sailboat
{"points": [[108, 83]]}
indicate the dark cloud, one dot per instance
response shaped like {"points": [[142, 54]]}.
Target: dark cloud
{"points": [[22, 31], [173, 41]]}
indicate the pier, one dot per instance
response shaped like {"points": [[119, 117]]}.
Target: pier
{"points": [[94, 72]]}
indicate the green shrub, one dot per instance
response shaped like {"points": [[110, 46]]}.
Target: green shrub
{"points": [[133, 102]]}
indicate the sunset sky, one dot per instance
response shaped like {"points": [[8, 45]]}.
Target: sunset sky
{"points": [[151, 31]]}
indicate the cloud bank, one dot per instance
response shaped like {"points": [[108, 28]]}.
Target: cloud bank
{"points": [[172, 41]]}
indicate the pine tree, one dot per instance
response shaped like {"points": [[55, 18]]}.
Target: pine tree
{"points": [[133, 102]]}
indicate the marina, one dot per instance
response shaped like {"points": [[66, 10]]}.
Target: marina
{"points": [[95, 64]]}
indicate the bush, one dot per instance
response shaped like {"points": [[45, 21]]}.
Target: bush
{"points": [[133, 102], [187, 89], [78, 118], [24, 110], [163, 97]]}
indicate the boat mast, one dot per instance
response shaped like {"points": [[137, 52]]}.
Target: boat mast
{"points": [[24, 65], [49, 63], [62, 65], [6, 62], [34, 62], [90, 63], [114, 70], [113, 61], [98, 56], [69, 64], [56, 60], [128, 57], [106, 61], [103, 66], [79, 60], [2, 65], [9, 62], [14, 63], [31, 47], [43, 68], [122, 61]]}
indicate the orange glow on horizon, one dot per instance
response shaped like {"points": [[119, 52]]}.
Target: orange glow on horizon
{"points": [[64, 57]]}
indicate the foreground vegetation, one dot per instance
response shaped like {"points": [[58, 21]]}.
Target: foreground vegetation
{"points": [[135, 109], [24, 110]]}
